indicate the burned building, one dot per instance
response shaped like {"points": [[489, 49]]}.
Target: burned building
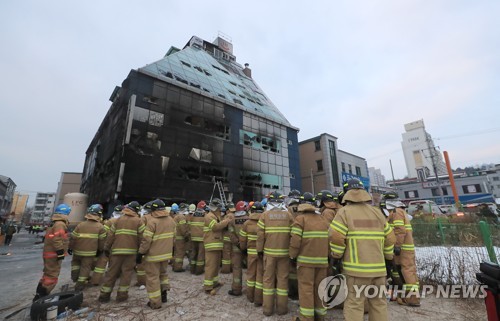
{"points": [[179, 124]]}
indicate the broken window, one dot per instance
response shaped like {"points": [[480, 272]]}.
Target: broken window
{"points": [[201, 155], [141, 114], [156, 119]]}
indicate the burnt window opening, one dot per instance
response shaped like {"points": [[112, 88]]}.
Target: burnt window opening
{"points": [[198, 68], [232, 92], [151, 100], [205, 89], [178, 78], [242, 87], [207, 73], [237, 101], [215, 129], [185, 63], [221, 95], [242, 96], [201, 155], [233, 83]]}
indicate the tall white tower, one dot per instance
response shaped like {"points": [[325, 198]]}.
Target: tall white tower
{"points": [[421, 155]]}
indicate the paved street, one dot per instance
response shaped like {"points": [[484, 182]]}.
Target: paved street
{"points": [[21, 267]]}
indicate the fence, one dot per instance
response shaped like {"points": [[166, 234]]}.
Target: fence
{"points": [[450, 253]]}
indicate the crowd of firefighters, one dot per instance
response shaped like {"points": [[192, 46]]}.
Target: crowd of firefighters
{"points": [[289, 244]]}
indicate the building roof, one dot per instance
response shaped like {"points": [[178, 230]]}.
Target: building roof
{"points": [[342, 151], [212, 71], [316, 138]]}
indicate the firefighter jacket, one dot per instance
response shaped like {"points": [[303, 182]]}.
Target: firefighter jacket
{"points": [[248, 234], [309, 238], [88, 237], [400, 222], [329, 212], [226, 234], [213, 229], [56, 236], [235, 227], [360, 235], [125, 234], [181, 227], [294, 210], [196, 224], [273, 234], [108, 223], [158, 241]]}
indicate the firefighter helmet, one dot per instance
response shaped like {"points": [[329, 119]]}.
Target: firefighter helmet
{"points": [[157, 205], [241, 206], [95, 209], [118, 208], [192, 208], [134, 206], [201, 205], [216, 203], [257, 207], [275, 197], [353, 183], [63, 209], [294, 193], [390, 196], [307, 198], [174, 208]]}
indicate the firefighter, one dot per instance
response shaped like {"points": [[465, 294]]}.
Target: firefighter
{"points": [[228, 245], [102, 261], [54, 249], [273, 240], [196, 223], [213, 242], [157, 247], [240, 217], [87, 242], [121, 247], [327, 203], [361, 237], [292, 202], [309, 248], [248, 243], [189, 245], [404, 254], [181, 233]]}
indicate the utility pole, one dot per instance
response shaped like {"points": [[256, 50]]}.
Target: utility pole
{"points": [[312, 182], [433, 154]]}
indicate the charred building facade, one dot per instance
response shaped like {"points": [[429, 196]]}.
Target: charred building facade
{"points": [[181, 123]]}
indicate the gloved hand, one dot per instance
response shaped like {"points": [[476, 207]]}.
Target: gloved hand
{"points": [[60, 254], [138, 258], [186, 238], [106, 252], [98, 253], [70, 251], [260, 254], [293, 259], [397, 250], [244, 251], [336, 266], [388, 268]]}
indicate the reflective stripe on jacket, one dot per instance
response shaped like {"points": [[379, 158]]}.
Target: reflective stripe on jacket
{"points": [[88, 237], [158, 241], [125, 234], [309, 240], [400, 222], [273, 235], [360, 235]]}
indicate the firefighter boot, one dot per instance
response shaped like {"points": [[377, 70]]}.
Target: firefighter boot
{"points": [[164, 296], [40, 292], [121, 296]]}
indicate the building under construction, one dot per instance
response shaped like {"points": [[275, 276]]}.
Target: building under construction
{"points": [[186, 121]]}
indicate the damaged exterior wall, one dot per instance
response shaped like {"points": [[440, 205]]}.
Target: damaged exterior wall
{"points": [[169, 136]]}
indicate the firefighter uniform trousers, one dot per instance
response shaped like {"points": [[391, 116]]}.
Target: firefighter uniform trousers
{"points": [[156, 280], [51, 269], [120, 266], [254, 277], [236, 264], [81, 267], [275, 284], [293, 286], [310, 303], [406, 272], [179, 253], [197, 257], [226, 254], [354, 308], [140, 274], [99, 270], [212, 264]]}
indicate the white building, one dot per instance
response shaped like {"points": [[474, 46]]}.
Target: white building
{"points": [[44, 206], [420, 152], [376, 177]]}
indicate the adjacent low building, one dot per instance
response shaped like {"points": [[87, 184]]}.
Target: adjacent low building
{"points": [[68, 183], [178, 125], [324, 166]]}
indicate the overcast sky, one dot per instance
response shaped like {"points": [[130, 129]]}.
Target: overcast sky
{"points": [[358, 70]]}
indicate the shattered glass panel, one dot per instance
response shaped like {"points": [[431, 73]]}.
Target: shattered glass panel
{"points": [[156, 119], [141, 114]]}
